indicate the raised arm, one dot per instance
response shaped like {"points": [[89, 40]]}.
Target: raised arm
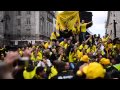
{"points": [[89, 22], [88, 39]]}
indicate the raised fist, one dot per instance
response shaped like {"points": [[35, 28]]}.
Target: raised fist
{"points": [[11, 57]]}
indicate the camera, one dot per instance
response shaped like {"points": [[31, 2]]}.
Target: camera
{"points": [[23, 61]]}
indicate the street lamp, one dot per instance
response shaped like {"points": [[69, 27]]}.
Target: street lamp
{"points": [[114, 23]]}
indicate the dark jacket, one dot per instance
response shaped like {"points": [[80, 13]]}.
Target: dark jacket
{"points": [[117, 59], [64, 75], [112, 72], [18, 74], [53, 57], [77, 66]]}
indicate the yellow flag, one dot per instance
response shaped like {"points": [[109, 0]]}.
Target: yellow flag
{"points": [[69, 19]]}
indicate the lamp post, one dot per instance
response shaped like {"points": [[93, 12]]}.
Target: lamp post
{"points": [[114, 23]]}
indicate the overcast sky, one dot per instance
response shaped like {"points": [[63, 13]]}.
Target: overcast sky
{"points": [[99, 18]]}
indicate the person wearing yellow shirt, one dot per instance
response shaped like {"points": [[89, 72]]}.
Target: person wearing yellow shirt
{"points": [[64, 44], [29, 72], [94, 48], [83, 29], [36, 56], [21, 53], [109, 45], [53, 73], [83, 46], [40, 73], [47, 44], [72, 58], [79, 54], [108, 48], [104, 39], [73, 55], [88, 50], [54, 36], [107, 37]]}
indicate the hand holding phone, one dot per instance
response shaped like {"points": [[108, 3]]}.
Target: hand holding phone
{"points": [[11, 57]]}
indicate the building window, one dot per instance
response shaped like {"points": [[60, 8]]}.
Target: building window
{"points": [[114, 15], [111, 32], [19, 13], [42, 25], [28, 12], [18, 34], [50, 18], [18, 22], [47, 33], [18, 31], [27, 29], [28, 21], [28, 33]]}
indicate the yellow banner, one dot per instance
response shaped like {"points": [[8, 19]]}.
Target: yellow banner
{"points": [[70, 19]]}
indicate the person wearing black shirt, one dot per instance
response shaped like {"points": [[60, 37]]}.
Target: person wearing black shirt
{"points": [[69, 47], [62, 72], [53, 57], [77, 66], [40, 73], [18, 72], [117, 59]]}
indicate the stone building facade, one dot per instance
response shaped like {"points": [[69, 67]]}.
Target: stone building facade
{"points": [[113, 24], [1, 28], [28, 25]]}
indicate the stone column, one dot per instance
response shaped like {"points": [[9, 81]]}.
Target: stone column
{"points": [[37, 24], [1, 27]]}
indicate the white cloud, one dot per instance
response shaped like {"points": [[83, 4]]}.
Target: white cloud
{"points": [[99, 18]]}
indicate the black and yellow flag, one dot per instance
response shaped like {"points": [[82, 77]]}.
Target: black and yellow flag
{"points": [[70, 19]]}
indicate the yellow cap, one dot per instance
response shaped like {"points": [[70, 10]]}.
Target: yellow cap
{"points": [[102, 59], [80, 54], [95, 70], [105, 61], [85, 58]]}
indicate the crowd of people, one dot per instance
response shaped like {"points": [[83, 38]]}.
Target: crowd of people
{"points": [[63, 56]]}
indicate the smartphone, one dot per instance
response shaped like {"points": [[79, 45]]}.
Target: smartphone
{"points": [[25, 60]]}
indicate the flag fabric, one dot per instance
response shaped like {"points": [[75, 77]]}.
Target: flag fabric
{"points": [[70, 19]]}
